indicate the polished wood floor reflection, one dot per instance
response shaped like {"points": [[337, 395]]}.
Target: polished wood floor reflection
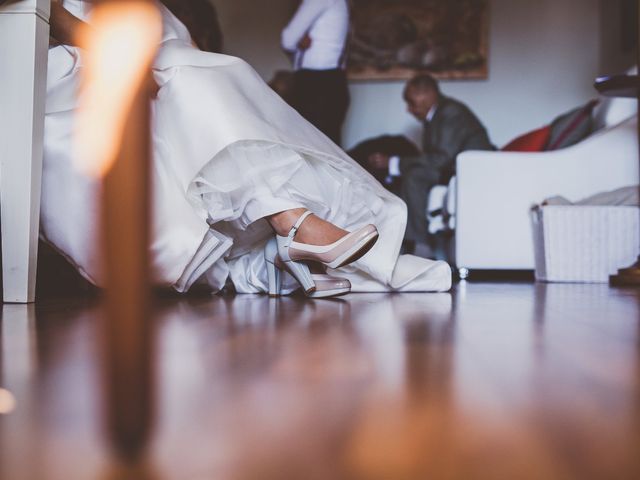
{"points": [[493, 381]]}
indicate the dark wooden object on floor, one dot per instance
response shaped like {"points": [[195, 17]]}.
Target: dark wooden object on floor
{"points": [[126, 328], [623, 86], [126, 332]]}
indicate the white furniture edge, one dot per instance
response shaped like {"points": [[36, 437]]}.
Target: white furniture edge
{"points": [[24, 39], [40, 8], [495, 191]]}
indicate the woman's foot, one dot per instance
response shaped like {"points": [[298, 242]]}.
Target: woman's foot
{"points": [[312, 239], [313, 231]]}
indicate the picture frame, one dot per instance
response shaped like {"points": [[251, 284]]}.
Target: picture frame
{"points": [[395, 39]]}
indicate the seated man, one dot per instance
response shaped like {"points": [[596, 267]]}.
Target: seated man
{"points": [[391, 145], [449, 128]]}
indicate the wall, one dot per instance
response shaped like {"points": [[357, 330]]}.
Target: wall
{"points": [[252, 31], [544, 55]]}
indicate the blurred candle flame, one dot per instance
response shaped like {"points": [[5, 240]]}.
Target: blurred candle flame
{"points": [[120, 45]]}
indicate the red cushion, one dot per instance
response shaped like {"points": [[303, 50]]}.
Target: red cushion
{"points": [[530, 142]]}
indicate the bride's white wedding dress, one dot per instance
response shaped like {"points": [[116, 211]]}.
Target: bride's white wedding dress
{"points": [[227, 151]]}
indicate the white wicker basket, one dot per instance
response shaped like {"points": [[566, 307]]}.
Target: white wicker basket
{"points": [[584, 243]]}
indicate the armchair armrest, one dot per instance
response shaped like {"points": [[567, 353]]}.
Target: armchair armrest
{"points": [[495, 191]]}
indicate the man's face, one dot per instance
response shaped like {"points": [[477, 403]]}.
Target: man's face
{"points": [[419, 101]]}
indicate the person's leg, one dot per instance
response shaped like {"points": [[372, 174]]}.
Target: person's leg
{"points": [[307, 96], [322, 97], [416, 185], [332, 103], [313, 231], [338, 106]]}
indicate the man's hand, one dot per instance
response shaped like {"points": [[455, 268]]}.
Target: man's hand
{"points": [[379, 161], [305, 42]]}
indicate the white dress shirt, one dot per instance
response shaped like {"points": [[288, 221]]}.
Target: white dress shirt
{"points": [[327, 23], [394, 162]]}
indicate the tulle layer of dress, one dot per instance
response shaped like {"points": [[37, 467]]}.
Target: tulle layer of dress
{"points": [[227, 152]]}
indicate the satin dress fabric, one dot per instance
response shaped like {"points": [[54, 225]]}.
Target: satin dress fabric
{"points": [[227, 151]]}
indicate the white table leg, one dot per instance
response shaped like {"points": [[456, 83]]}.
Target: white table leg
{"points": [[24, 39]]}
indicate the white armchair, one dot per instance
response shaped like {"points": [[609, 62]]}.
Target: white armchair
{"points": [[24, 39], [496, 190]]}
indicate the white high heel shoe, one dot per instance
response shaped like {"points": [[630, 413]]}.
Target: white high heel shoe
{"points": [[342, 252], [323, 285]]}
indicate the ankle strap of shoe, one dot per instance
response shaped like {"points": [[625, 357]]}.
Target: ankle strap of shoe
{"points": [[296, 227]]}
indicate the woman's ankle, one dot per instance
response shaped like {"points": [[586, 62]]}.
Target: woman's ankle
{"points": [[313, 230], [282, 222]]}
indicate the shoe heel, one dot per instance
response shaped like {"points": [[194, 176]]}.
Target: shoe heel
{"points": [[274, 274], [301, 273], [275, 280]]}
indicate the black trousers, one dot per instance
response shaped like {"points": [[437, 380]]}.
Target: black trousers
{"points": [[322, 97], [416, 186]]}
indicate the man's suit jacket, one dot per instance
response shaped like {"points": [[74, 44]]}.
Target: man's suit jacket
{"points": [[453, 129]]}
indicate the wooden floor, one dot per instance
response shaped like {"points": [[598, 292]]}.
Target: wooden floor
{"points": [[493, 381]]}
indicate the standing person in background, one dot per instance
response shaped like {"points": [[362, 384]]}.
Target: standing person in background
{"points": [[317, 38]]}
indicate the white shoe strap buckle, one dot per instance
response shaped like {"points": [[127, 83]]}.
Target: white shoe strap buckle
{"points": [[296, 227]]}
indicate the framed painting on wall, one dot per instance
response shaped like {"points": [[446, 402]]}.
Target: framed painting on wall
{"points": [[394, 39]]}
